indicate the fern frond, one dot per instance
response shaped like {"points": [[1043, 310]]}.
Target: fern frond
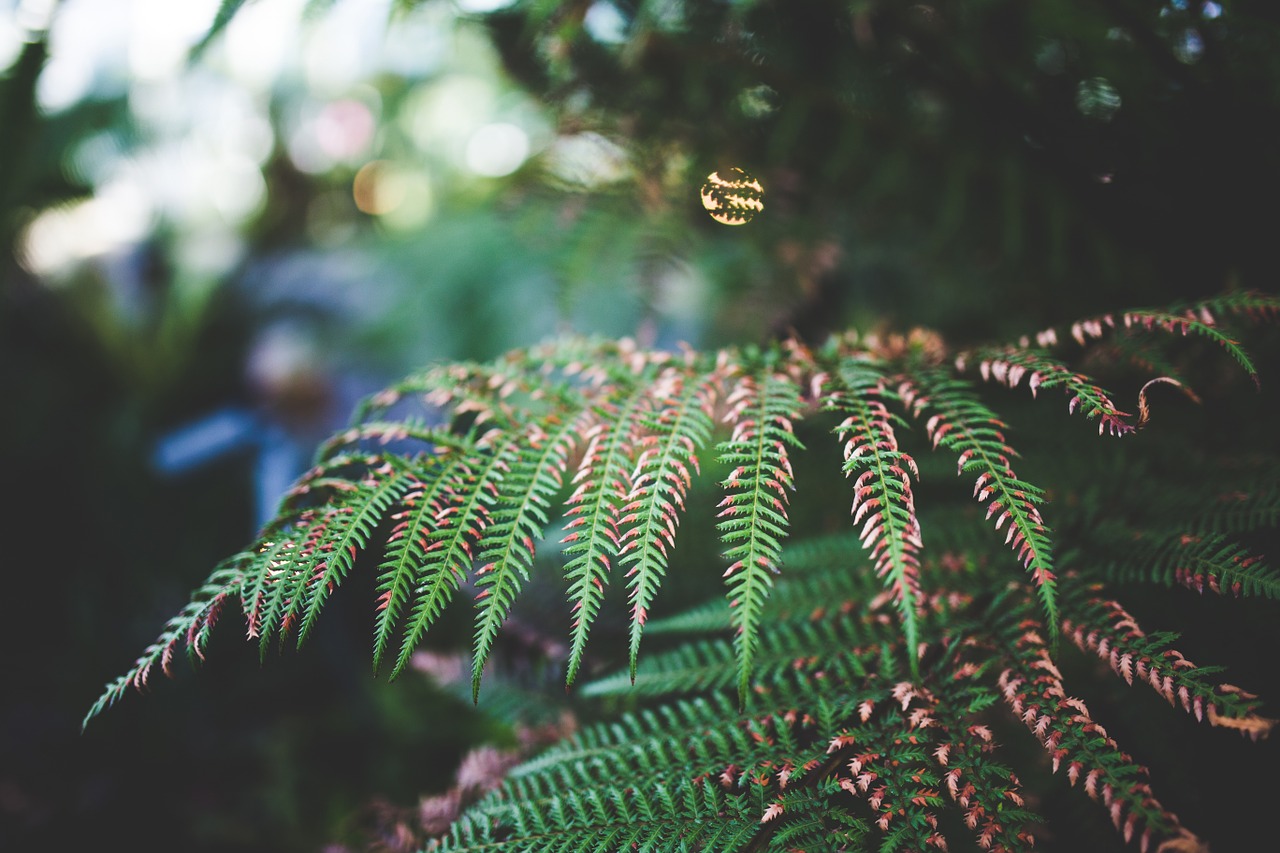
{"points": [[603, 482], [1243, 509], [681, 426], [883, 503], [1254, 305], [1212, 561], [1102, 627], [1007, 367], [1033, 689], [191, 626], [962, 423], [863, 698], [616, 818], [461, 513], [403, 574], [519, 520], [753, 512], [506, 393], [346, 526], [797, 649], [1189, 323]]}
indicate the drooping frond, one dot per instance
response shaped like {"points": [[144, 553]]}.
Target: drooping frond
{"points": [[959, 421], [404, 575], [754, 510], [190, 628], [1101, 626], [679, 426], [603, 482], [519, 520], [882, 499], [1007, 366], [461, 515], [302, 564], [1033, 689]]}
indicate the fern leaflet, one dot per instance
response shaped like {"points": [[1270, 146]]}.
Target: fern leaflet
{"points": [[592, 539], [961, 422], [660, 482], [754, 514], [507, 549], [883, 502]]}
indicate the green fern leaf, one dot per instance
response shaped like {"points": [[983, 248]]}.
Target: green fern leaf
{"points": [[603, 482], [883, 503], [1007, 366], [617, 818], [1033, 689], [404, 573], [191, 626], [960, 422], [1101, 626], [1248, 507], [753, 512], [518, 520], [681, 426], [462, 512], [1198, 562], [349, 526]]}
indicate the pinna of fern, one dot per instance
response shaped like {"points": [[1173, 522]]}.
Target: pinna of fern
{"points": [[621, 430]]}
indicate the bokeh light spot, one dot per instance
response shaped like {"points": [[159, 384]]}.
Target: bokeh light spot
{"points": [[1097, 98], [376, 188], [732, 196], [497, 149], [604, 23]]}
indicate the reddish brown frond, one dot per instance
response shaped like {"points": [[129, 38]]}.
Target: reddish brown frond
{"points": [[1101, 626], [1008, 366], [883, 502], [1032, 688]]}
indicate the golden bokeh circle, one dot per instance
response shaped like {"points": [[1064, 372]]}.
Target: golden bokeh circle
{"points": [[732, 196]]}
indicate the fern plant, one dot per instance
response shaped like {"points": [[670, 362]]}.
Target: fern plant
{"points": [[848, 693]]}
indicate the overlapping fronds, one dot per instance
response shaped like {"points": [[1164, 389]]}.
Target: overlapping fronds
{"points": [[451, 479], [625, 818], [852, 706], [834, 748]]}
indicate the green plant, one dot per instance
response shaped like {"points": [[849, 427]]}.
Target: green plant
{"points": [[849, 693]]}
